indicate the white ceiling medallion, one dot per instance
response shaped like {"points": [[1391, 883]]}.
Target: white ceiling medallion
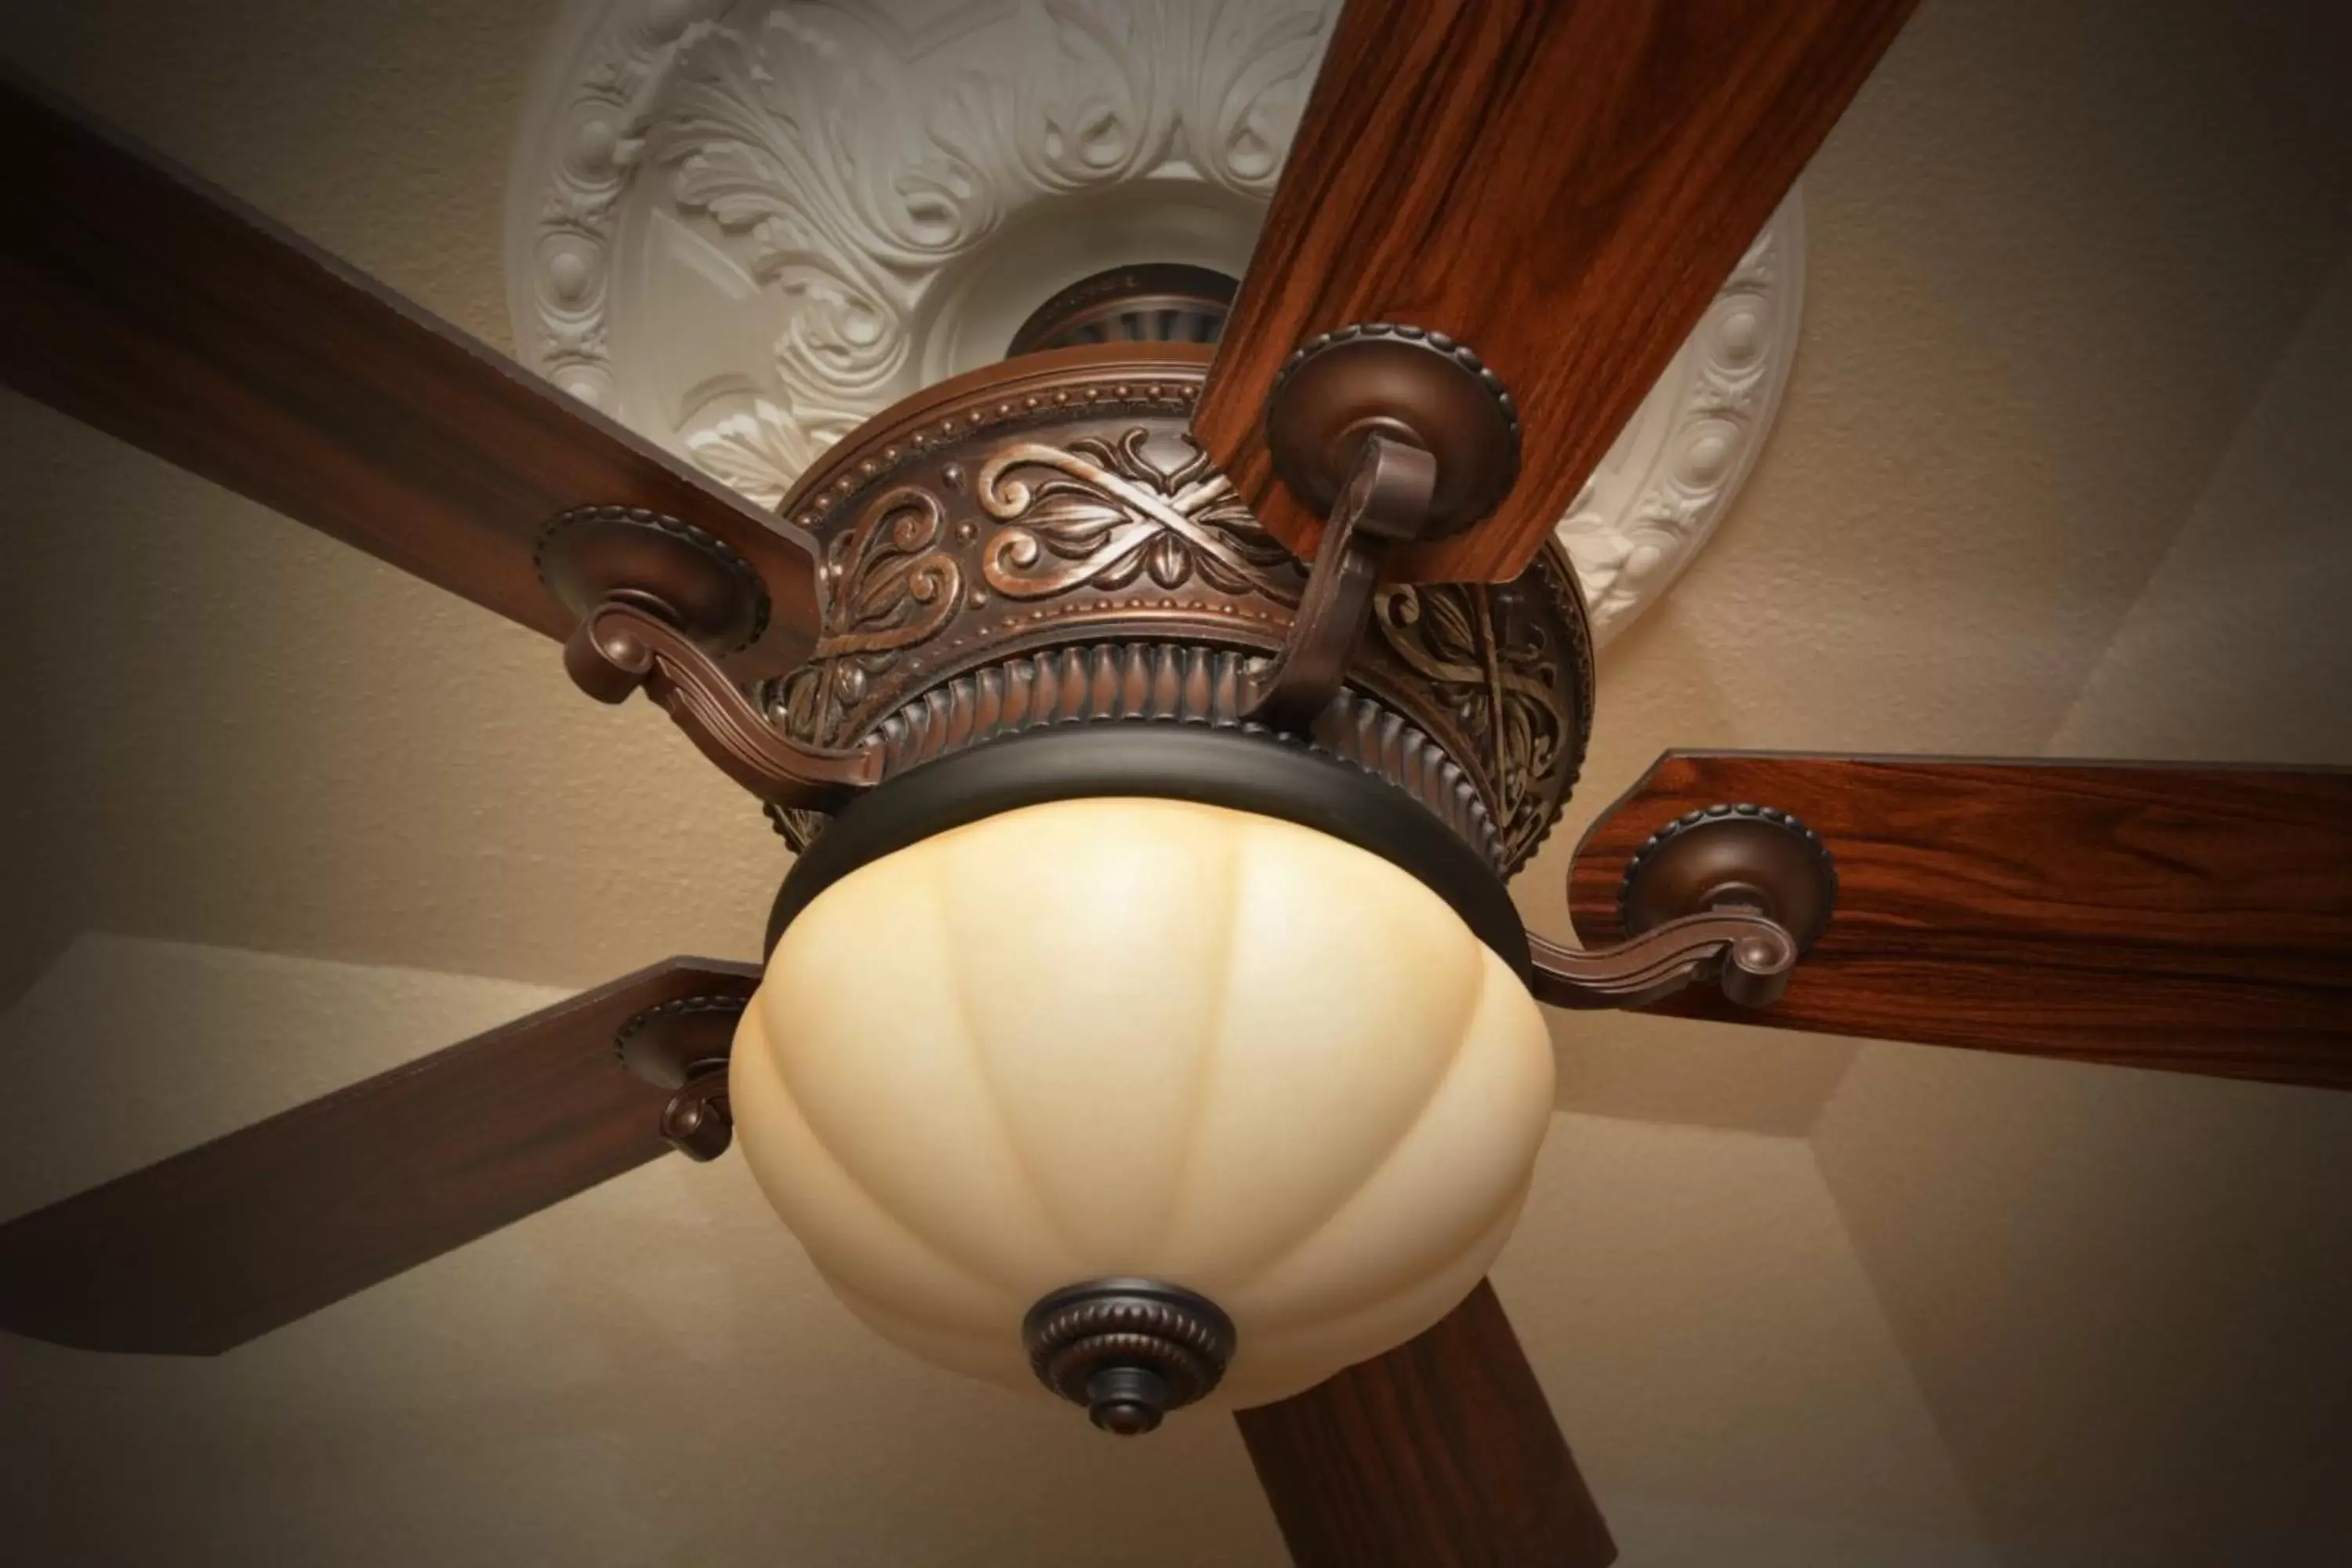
{"points": [[743, 226]]}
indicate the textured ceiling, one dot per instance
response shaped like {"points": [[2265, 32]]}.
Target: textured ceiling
{"points": [[2058, 469]]}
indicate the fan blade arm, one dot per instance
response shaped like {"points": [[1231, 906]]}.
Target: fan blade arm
{"points": [[212, 1247], [2186, 917], [1746, 955]]}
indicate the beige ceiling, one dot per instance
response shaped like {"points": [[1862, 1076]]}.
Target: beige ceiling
{"points": [[2058, 470]]}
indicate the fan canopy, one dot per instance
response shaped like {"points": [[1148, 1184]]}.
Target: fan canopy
{"points": [[1146, 1037]]}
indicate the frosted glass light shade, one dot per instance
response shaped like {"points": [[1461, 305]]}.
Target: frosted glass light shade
{"points": [[1142, 1037]]}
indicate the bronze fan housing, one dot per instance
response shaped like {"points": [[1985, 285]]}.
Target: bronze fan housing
{"points": [[962, 601]]}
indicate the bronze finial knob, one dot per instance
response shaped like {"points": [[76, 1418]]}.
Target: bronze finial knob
{"points": [[1128, 1350]]}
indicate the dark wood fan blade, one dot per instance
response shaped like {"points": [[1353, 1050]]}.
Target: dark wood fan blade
{"points": [[1441, 1454], [142, 300], [2192, 918], [212, 1247], [1561, 185]]}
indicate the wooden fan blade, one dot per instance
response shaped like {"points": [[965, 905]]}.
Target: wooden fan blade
{"points": [[1441, 1454], [212, 1247], [1561, 185], [2191, 919], [139, 299]]}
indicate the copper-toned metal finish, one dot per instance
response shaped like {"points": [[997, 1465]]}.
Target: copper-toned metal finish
{"points": [[684, 1046], [1748, 955], [1386, 500], [1128, 1350], [685, 575], [1012, 517], [621, 646], [670, 1044], [1732, 857], [1157, 302], [1418, 387], [1169, 683], [697, 1121]]}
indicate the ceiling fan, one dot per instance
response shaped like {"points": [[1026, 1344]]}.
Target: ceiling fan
{"points": [[1127, 673]]}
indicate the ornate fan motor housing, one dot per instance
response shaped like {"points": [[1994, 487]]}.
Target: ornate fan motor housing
{"points": [[1040, 542]]}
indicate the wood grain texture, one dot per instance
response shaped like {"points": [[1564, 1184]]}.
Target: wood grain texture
{"points": [[1441, 1454], [1561, 184], [139, 299], [2189, 919], [204, 1251]]}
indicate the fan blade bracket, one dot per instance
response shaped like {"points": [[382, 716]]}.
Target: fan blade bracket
{"points": [[1386, 499], [1417, 388], [1731, 894], [1748, 955], [2190, 918], [1724, 858], [688, 576], [673, 1043], [625, 645], [683, 1045], [698, 1122]]}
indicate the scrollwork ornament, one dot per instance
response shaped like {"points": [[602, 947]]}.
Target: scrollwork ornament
{"points": [[1748, 955], [1509, 686], [1069, 525], [622, 646], [1105, 513], [887, 585]]}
